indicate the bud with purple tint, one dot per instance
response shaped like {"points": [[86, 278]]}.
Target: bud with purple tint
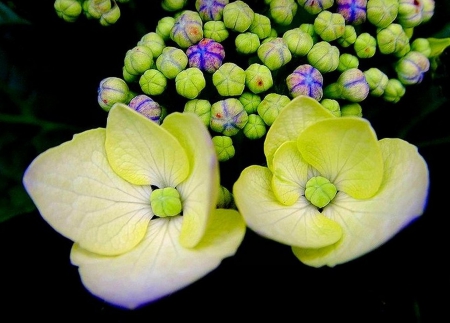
{"points": [[147, 107], [305, 80], [207, 55]]}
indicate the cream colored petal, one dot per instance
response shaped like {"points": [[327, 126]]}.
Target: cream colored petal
{"points": [[141, 151], [300, 224], [297, 115], [82, 198], [367, 224], [159, 265], [200, 190]]}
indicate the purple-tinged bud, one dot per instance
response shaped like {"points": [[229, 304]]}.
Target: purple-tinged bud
{"points": [[354, 85], [215, 30], [271, 106], [377, 81], [283, 11], [274, 53], [394, 91], [147, 107], [298, 41], [329, 26], [412, 67], [112, 90], [410, 13], [228, 116], [210, 10], [305, 80], [187, 29], [238, 16], [324, 57], [207, 55], [258, 78], [315, 6], [382, 13], [354, 11]]}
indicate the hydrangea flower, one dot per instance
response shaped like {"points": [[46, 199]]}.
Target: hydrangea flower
{"points": [[139, 201], [331, 190]]}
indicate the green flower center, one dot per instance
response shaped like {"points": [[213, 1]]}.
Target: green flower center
{"points": [[165, 202], [320, 191]]}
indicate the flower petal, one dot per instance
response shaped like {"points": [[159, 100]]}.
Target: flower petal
{"points": [[82, 198], [345, 151], [159, 265], [199, 192], [297, 115], [300, 224], [367, 224], [142, 152]]}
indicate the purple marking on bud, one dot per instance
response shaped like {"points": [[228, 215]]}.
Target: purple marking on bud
{"points": [[147, 107], [207, 55], [353, 11], [210, 9], [305, 80]]}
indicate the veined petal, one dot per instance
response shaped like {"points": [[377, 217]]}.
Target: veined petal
{"points": [[345, 151], [300, 224], [159, 265], [141, 151], [81, 197], [296, 116], [367, 224], [200, 190]]}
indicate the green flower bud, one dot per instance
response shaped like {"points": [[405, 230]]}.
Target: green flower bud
{"points": [[238, 16], [187, 29], [351, 110], [255, 128], [215, 30], [210, 10], [111, 16], [247, 43], [298, 42], [190, 82], [412, 67], [382, 13], [274, 53], [171, 62], [320, 191], [153, 82], [147, 107], [377, 81], [228, 116], [173, 5], [128, 77], [96, 8], [315, 6], [324, 57], [333, 91], [138, 60], [250, 101], [329, 26], [392, 39], [394, 91], [349, 36], [283, 11], [365, 45], [428, 10], [112, 90], [421, 45], [69, 10], [153, 41], [258, 78], [410, 13], [354, 85], [261, 26], [225, 198], [229, 80], [332, 105], [309, 29], [271, 106], [347, 61], [224, 147], [166, 202], [164, 26], [200, 107]]}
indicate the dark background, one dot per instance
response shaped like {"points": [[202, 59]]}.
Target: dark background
{"points": [[50, 70]]}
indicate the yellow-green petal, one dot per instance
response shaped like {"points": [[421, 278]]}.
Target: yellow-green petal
{"points": [[199, 191], [142, 152], [345, 151], [81, 197], [297, 115]]}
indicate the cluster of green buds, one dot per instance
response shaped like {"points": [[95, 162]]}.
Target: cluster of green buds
{"points": [[237, 67], [107, 12]]}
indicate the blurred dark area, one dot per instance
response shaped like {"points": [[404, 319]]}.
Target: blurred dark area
{"points": [[49, 72]]}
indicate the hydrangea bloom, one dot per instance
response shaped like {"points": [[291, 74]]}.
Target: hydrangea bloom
{"points": [[331, 190], [139, 202]]}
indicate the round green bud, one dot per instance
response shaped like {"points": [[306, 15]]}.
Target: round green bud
{"points": [[225, 198], [164, 26], [365, 45], [215, 30], [283, 11], [382, 13], [324, 57], [309, 29], [255, 128], [298, 41], [412, 67], [421, 45], [428, 10], [112, 90], [153, 82], [238, 16], [153, 41], [320, 191], [351, 110], [315, 6], [111, 16], [394, 90], [258, 78], [354, 85], [247, 43], [377, 81], [333, 91], [332, 105], [274, 53], [229, 79], [228, 116], [190, 82], [69, 10], [200, 107], [347, 61], [187, 29], [224, 147], [261, 26], [392, 39], [97, 8], [250, 101], [271, 106], [171, 62], [166, 202], [329, 26], [128, 77], [173, 5], [410, 13], [138, 60], [349, 36]]}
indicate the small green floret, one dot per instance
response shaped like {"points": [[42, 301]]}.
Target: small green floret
{"points": [[320, 191], [166, 202]]}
